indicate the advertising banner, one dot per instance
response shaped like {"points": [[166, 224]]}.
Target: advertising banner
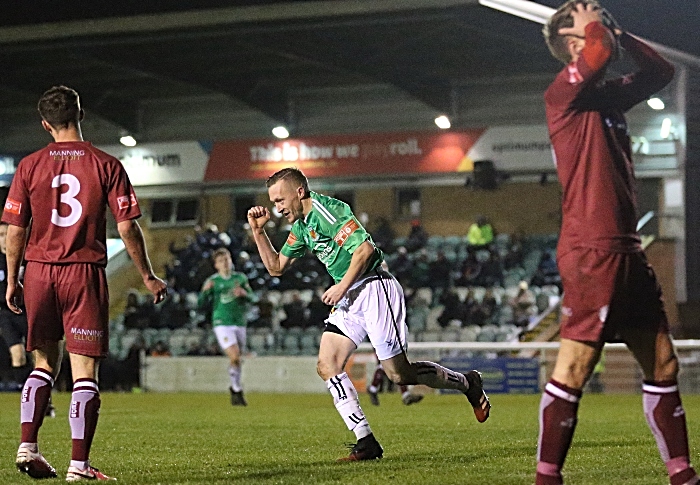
{"points": [[162, 163], [512, 148], [502, 375]]}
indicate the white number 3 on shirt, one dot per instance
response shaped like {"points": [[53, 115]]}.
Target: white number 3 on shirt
{"points": [[68, 197]]}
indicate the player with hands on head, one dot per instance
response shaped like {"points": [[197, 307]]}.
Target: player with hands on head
{"points": [[63, 191], [367, 301], [610, 290]]}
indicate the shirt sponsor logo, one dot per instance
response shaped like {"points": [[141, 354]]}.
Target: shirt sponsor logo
{"points": [[66, 154], [86, 335], [313, 234], [13, 207], [323, 251], [291, 239], [345, 232], [125, 201]]}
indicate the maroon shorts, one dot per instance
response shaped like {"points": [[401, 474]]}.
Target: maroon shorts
{"points": [[608, 294], [69, 299]]}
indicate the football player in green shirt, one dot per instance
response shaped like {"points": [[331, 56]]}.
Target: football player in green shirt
{"points": [[367, 301], [229, 293]]}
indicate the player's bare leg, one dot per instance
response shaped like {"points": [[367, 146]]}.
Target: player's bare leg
{"points": [[233, 352], [35, 398], [83, 415], [404, 373], [333, 354], [662, 402], [559, 407]]}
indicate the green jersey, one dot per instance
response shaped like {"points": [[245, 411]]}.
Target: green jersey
{"points": [[332, 233], [227, 309]]}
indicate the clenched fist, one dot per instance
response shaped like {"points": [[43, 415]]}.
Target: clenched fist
{"points": [[258, 217]]}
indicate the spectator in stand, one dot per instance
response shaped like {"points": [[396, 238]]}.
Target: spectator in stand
{"points": [[470, 303], [402, 266], [419, 272], [384, 235], [523, 305], [453, 308], [485, 311], [417, 238], [138, 314], [470, 270], [514, 256], [173, 312], [439, 275], [480, 234], [547, 272], [296, 312], [265, 309], [492, 271]]}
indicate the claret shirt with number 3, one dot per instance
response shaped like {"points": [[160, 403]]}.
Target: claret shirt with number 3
{"points": [[63, 190], [332, 233]]}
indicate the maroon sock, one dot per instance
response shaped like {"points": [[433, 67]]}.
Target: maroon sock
{"points": [[378, 377], [403, 389], [35, 399], [84, 411], [558, 409], [666, 418]]}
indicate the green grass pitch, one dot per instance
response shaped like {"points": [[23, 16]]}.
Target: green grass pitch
{"points": [[295, 439]]}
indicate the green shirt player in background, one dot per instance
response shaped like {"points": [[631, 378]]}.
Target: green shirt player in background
{"points": [[229, 293], [367, 301]]}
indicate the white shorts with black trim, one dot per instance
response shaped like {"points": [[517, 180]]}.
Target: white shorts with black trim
{"points": [[374, 307]]}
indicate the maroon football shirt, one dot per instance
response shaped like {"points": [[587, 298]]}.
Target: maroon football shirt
{"points": [[591, 143], [64, 190]]}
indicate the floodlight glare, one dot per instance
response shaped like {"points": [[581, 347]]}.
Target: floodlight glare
{"points": [[280, 132], [656, 103], [128, 141], [443, 122]]}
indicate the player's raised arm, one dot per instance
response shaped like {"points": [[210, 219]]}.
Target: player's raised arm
{"points": [[275, 263]]}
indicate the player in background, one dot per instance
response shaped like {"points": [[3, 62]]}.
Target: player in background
{"points": [[378, 376], [610, 291], [367, 301], [13, 327], [63, 191], [229, 294]]}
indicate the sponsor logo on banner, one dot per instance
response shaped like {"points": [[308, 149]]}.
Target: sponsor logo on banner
{"points": [[345, 232], [13, 207], [87, 335]]}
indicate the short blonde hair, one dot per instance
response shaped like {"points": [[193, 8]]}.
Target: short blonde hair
{"points": [[562, 19]]}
